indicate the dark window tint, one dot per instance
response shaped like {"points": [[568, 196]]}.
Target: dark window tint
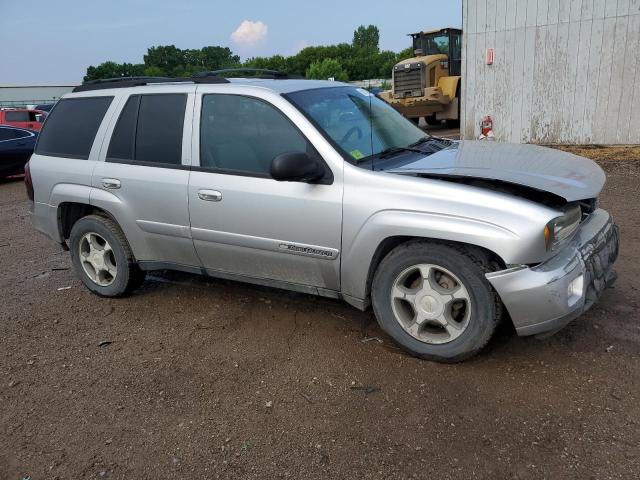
{"points": [[150, 130], [72, 127], [245, 134], [6, 134], [159, 133], [17, 116], [123, 140]]}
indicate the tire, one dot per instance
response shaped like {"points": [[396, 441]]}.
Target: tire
{"points": [[415, 120], [481, 309], [432, 120], [124, 276]]}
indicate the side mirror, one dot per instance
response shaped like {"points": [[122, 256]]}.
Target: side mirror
{"points": [[296, 167]]}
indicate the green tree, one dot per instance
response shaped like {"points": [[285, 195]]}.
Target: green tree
{"points": [[366, 38], [165, 57], [406, 53], [327, 68], [154, 72], [300, 63], [113, 70], [359, 60], [276, 62]]}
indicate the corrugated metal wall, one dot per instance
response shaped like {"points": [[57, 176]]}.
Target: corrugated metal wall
{"points": [[565, 71]]}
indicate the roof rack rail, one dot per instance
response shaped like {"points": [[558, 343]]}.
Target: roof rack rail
{"points": [[263, 73], [124, 82]]}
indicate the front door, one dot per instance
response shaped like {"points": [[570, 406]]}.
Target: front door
{"points": [[245, 223]]}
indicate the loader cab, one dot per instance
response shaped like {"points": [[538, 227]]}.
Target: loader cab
{"points": [[447, 41]]}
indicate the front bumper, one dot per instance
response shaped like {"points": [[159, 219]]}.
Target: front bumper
{"points": [[546, 297]]}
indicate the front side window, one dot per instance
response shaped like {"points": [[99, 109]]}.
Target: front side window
{"points": [[359, 124], [149, 130], [72, 126], [243, 134]]}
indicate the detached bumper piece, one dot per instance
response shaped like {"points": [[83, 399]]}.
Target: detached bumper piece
{"points": [[544, 298]]}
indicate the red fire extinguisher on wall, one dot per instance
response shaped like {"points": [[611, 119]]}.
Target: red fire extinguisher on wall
{"points": [[486, 128]]}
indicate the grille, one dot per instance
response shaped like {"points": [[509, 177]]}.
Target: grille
{"points": [[407, 82]]}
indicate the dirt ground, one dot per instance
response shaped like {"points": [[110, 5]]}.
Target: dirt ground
{"points": [[213, 379]]}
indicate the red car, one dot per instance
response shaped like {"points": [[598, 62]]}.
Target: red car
{"points": [[22, 118]]}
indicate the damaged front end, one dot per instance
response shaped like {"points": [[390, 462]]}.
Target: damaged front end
{"points": [[545, 297]]}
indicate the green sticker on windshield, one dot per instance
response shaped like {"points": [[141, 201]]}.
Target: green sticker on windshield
{"points": [[357, 154]]}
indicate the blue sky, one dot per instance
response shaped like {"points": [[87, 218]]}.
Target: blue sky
{"points": [[54, 41]]}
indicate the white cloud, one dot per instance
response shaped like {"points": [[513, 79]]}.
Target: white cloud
{"points": [[250, 33]]}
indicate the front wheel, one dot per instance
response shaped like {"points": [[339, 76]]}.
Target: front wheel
{"points": [[102, 257], [435, 301]]}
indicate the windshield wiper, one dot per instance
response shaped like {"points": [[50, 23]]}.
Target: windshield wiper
{"points": [[424, 139], [391, 151]]}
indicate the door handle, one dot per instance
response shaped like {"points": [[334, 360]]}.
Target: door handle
{"points": [[111, 183], [210, 195]]}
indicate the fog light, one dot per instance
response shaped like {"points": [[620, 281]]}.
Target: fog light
{"points": [[574, 290]]}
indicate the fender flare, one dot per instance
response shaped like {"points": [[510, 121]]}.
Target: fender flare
{"points": [[357, 258]]}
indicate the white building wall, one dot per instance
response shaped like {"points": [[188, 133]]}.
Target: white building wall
{"points": [[565, 71]]}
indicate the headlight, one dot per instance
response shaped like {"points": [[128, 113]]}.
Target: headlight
{"points": [[560, 229]]}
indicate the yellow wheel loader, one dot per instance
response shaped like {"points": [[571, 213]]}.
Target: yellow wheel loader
{"points": [[428, 85]]}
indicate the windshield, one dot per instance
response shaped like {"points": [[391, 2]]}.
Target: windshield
{"points": [[359, 123]]}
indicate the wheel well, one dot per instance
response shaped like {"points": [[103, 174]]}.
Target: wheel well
{"points": [[70, 212], [390, 243]]}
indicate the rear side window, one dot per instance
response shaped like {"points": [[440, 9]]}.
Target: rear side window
{"points": [[149, 130], [17, 116], [72, 126]]}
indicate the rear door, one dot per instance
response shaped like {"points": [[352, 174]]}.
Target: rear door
{"points": [[244, 222], [144, 177]]}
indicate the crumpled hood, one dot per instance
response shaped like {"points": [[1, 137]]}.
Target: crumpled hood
{"points": [[564, 174]]}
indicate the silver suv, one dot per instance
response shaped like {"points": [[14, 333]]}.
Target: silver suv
{"points": [[321, 188]]}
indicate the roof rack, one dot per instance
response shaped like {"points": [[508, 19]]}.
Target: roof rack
{"points": [[264, 73], [124, 82], [214, 76]]}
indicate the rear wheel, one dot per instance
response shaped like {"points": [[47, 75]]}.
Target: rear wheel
{"points": [[102, 257], [435, 301]]}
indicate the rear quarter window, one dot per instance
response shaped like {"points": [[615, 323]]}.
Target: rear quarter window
{"points": [[71, 127]]}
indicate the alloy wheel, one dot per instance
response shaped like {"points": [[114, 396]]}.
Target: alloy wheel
{"points": [[431, 303], [98, 259]]}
